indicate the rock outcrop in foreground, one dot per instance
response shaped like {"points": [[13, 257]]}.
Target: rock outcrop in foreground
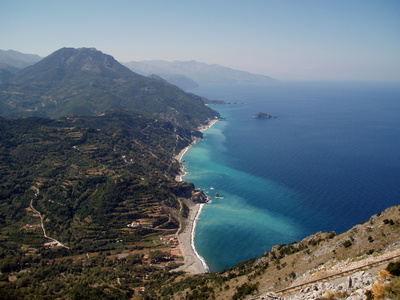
{"points": [[354, 287], [321, 266], [346, 266], [199, 197]]}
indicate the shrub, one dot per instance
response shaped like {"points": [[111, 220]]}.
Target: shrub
{"points": [[369, 295], [394, 268], [245, 289], [333, 295], [347, 244], [388, 221], [393, 289]]}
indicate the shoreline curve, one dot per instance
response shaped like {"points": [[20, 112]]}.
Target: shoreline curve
{"points": [[193, 262]]}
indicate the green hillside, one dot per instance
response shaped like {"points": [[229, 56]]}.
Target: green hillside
{"points": [[85, 81], [87, 167], [88, 177]]}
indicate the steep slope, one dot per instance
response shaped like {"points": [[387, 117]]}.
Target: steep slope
{"points": [[6, 73], [315, 257], [86, 81], [68, 64]]}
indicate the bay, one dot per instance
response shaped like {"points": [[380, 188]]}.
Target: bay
{"points": [[327, 162]]}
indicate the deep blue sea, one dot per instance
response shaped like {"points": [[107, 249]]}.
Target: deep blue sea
{"points": [[330, 160]]}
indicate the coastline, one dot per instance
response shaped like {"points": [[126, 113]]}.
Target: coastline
{"points": [[193, 262], [183, 151]]}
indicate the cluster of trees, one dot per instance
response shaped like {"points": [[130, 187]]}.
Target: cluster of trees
{"points": [[97, 167], [85, 278], [88, 177]]}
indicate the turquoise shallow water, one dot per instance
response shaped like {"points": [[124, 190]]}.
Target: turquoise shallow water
{"points": [[329, 161], [245, 228]]}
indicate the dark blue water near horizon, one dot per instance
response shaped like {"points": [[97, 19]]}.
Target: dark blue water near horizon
{"points": [[327, 162]]}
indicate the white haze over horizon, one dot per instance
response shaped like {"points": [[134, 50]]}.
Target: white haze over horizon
{"points": [[287, 40]]}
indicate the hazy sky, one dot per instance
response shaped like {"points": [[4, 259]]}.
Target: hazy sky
{"points": [[299, 39]]}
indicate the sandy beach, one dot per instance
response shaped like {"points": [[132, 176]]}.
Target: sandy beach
{"points": [[192, 262], [179, 158], [205, 127]]}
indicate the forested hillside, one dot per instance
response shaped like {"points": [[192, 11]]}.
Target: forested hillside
{"points": [[86, 81], [88, 177]]}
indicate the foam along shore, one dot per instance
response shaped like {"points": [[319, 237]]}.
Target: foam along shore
{"points": [[193, 262]]}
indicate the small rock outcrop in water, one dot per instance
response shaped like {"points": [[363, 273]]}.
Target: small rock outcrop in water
{"points": [[262, 115]]}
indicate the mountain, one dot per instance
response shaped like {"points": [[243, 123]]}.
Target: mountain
{"points": [[18, 60], [86, 81], [177, 79], [180, 81], [11, 61], [200, 73], [68, 65], [6, 73]]}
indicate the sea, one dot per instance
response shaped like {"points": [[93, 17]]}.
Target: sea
{"points": [[330, 160]]}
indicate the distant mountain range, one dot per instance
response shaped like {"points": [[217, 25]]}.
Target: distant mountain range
{"points": [[86, 81], [16, 60], [11, 61], [189, 74], [184, 74]]}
